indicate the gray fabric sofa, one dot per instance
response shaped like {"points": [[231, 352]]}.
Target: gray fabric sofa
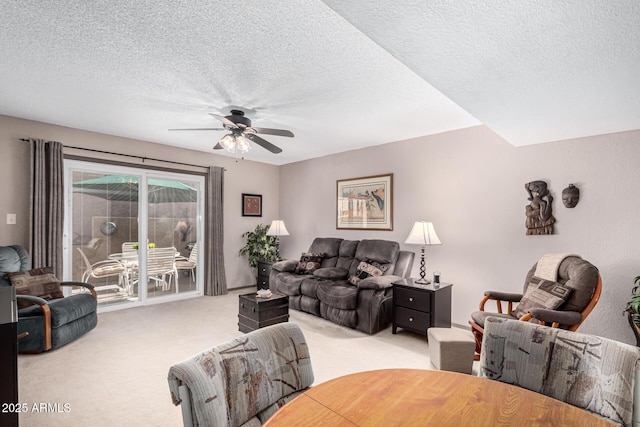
{"points": [[363, 304]]}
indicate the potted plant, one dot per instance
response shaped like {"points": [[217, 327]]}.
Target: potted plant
{"points": [[259, 246], [633, 309]]}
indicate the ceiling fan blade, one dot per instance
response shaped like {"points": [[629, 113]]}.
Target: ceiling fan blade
{"points": [[278, 132], [225, 121], [263, 143], [200, 129], [218, 146]]}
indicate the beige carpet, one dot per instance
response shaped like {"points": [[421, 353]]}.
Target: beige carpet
{"points": [[116, 375]]}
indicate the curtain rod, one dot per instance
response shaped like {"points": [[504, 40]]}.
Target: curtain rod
{"points": [[127, 155]]}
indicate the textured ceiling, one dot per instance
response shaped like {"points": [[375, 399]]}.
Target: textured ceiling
{"points": [[339, 75]]}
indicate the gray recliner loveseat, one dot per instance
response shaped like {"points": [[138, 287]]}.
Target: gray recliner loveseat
{"points": [[352, 286]]}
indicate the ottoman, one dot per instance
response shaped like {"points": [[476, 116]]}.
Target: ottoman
{"points": [[451, 349]]}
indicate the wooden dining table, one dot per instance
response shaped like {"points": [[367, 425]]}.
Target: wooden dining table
{"points": [[415, 397]]}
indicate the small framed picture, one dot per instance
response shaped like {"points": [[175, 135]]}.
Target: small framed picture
{"points": [[251, 204]]}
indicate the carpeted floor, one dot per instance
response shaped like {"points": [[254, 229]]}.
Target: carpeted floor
{"points": [[117, 373]]}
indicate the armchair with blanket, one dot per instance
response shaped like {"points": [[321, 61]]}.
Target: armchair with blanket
{"points": [[560, 290], [345, 281]]}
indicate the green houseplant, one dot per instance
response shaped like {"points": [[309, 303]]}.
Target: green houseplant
{"points": [[633, 309], [260, 247]]}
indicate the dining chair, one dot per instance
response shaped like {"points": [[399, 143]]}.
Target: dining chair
{"points": [[190, 263], [103, 269], [597, 374], [161, 267], [244, 381]]}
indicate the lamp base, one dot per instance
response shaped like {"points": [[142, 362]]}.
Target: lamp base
{"points": [[422, 281]]}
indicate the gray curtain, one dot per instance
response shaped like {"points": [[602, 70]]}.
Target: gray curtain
{"points": [[47, 204], [215, 277]]}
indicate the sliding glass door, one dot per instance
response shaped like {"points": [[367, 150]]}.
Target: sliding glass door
{"points": [[133, 233]]}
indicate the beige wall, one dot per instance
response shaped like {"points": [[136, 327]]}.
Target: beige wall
{"points": [[240, 177], [470, 184]]}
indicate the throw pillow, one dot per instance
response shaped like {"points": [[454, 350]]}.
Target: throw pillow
{"points": [[39, 282], [542, 294], [367, 269], [309, 262]]}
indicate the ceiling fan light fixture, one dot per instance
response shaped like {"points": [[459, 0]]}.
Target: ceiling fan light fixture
{"points": [[233, 143], [242, 144]]}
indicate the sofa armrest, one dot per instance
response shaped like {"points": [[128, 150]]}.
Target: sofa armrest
{"points": [[287, 265], [503, 296], [88, 286], [378, 282], [39, 301], [567, 318]]}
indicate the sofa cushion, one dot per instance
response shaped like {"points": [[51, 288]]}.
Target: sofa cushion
{"points": [[339, 294], [542, 294], [334, 273], [289, 284], [382, 251], [309, 286], [309, 262], [39, 282], [329, 246], [367, 269]]}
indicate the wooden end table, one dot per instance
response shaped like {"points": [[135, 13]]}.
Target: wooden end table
{"points": [[420, 307]]}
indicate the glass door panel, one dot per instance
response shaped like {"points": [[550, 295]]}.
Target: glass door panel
{"points": [[110, 212], [172, 211], [104, 219]]}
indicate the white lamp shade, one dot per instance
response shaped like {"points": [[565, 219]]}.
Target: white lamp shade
{"points": [[277, 228], [423, 234]]}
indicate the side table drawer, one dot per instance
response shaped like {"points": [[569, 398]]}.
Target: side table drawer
{"points": [[264, 269], [263, 282], [412, 319], [413, 299]]}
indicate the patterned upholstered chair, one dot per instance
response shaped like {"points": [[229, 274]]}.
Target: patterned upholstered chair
{"points": [[560, 290], [597, 374], [245, 381]]}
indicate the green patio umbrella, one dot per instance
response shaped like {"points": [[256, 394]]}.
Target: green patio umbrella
{"points": [[125, 188]]}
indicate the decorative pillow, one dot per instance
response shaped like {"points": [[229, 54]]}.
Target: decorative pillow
{"points": [[367, 269], [542, 294], [39, 282], [309, 262]]}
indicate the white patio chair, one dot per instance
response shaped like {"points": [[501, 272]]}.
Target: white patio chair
{"points": [[102, 269], [161, 266], [190, 263]]}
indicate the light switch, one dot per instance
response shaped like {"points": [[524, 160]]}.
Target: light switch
{"points": [[11, 218]]}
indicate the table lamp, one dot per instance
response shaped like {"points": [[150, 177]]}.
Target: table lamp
{"points": [[277, 228], [423, 234]]}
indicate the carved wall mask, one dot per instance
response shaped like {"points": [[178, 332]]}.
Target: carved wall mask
{"points": [[570, 196]]}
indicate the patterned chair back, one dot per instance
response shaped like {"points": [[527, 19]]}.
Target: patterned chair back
{"points": [[586, 371], [245, 380]]}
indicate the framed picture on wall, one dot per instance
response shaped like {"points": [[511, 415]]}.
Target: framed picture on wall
{"points": [[251, 204], [365, 203]]}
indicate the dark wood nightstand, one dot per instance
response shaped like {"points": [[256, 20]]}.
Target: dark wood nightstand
{"points": [[420, 307], [264, 269]]}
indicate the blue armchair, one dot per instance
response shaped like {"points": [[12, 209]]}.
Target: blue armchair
{"points": [[48, 324]]}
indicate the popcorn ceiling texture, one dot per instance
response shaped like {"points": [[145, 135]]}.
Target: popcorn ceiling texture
{"points": [[341, 76]]}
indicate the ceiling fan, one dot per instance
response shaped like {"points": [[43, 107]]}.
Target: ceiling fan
{"points": [[242, 132]]}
